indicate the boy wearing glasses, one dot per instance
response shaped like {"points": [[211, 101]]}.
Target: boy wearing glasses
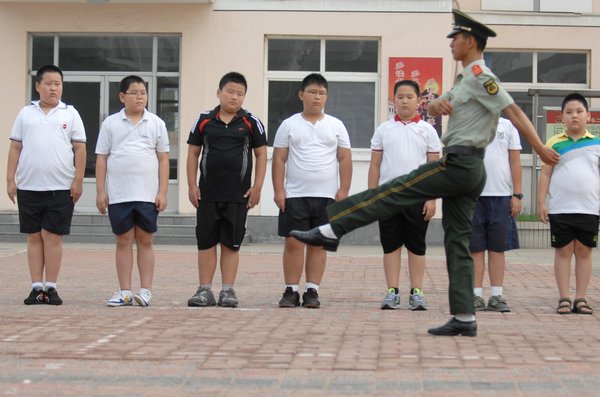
{"points": [[308, 150], [46, 164], [132, 175]]}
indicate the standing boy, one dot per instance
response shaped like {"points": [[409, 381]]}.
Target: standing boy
{"points": [[398, 147], [474, 105], [132, 176], [494, 226], [572, 188], [226, 137], [309, 148], [46, 164]]}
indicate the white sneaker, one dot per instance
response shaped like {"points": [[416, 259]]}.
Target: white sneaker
{"points": [[143, 297], [121, 298]]}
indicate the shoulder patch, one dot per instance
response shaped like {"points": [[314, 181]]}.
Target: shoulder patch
{"points": [[491, 87], [476, 69]]}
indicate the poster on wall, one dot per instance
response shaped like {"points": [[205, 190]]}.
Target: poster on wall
{"points": [[425, 71], [554, 123]]}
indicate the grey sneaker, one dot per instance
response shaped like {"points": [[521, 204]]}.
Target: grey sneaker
{"points": [[479, 304], [391, 300], [202, 297], [227, 298], [497, 303], [416, 300]]}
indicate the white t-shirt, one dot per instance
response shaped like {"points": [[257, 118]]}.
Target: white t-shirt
{"points": [[496, 160], [132, 164], [404, 145], [47, 160], [312, 166]]}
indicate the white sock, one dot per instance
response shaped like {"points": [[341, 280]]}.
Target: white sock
{"points": [[38, 286], [311, 285], [226, 287], [496, 291], [50, 285], [478, 292], [464, 317], [145, 290], [327, 231], [294, 287], [126, 292]]}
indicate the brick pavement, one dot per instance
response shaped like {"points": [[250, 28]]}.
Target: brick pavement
{"points": [[349, 347]]}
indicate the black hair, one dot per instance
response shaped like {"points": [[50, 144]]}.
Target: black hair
{"points": [[39, 75], [480, 41], [314, 78], [410, 83], [574, 97], [127, 81], [233, 77]]}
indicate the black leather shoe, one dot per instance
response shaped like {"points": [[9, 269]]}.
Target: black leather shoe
{"points": [[314, 237], [455, 327]]}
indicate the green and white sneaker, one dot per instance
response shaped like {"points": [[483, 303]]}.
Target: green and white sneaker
{"points": [[497, 303], [121, 298], [391, 300], [479, 304], [416, 300]]}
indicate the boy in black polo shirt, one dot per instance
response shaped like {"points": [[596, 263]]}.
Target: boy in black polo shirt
{"points": [[225, 137]]}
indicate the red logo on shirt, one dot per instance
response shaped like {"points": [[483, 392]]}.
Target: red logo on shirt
{"points": [[476, 70], [64, 126]]}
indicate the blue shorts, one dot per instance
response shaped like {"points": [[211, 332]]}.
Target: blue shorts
{"points": [[49, 210], [303, 213], [124, 216], [494, 228]]}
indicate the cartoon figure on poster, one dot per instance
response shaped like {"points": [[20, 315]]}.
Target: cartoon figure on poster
{"points": [[425, 71]]}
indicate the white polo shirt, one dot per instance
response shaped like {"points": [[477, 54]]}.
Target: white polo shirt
{"points": [[312, 166], [496, 160], [132, 165], [404, 145], [47, 160]]}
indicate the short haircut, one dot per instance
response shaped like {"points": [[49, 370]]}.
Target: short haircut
{"points": [[127, 81], [47, 69], [481, 41], [410, 83], [574, 97], [314, 78], [233, 77]]}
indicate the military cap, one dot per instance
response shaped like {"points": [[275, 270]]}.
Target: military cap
{"points": [[464, 23]]}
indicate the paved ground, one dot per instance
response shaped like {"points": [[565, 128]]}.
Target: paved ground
{"points": [[348, 348]]}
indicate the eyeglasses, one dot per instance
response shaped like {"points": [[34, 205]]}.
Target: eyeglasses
{"points": [[137, 93], [315, 93]]}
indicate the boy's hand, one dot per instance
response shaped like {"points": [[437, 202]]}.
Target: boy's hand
{"points": [[102, 202], [429, 209], [515, 206], [279, 199], [543, 213], [194, 195], [548, 155], [11, 189], [253, 195], [76, 191], [341, 195], [161, 201]]}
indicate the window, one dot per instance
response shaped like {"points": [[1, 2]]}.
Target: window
{"points": [[93, 66], [351, 67]]}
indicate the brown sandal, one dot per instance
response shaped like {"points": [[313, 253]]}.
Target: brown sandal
{"points": [[563, 304], [577, 308]]}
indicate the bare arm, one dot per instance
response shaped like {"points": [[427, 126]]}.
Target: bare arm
{"points": [[344, 157], [163, 180], [280, 156], [260, 170], [374, 169], [514, 158], [14, 152], [101, 195], [80, 157], [194, 194], [543, 186]]}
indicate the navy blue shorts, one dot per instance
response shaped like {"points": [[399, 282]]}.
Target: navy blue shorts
{"points": [[494, 228], [124, 216], [565, 228], [303, 213], [220, 222], [48, 210], [408, 227]]}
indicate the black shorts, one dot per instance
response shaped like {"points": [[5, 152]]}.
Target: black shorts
{"points": [[303, 213], [124, 216], [565, 228], [494, 227], [220, 222], [408, 227], [48, 210]]}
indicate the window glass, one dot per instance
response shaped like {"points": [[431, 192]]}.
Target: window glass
{"points": [[354, 104], [562, 68], [167, 108], [283, 102], [42, 51], [513, 67], [351, 56], [286, 54], [168, 54], [105, 53]]}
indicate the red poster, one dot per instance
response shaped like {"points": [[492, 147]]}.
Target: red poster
{"points": [[425, 71]]}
